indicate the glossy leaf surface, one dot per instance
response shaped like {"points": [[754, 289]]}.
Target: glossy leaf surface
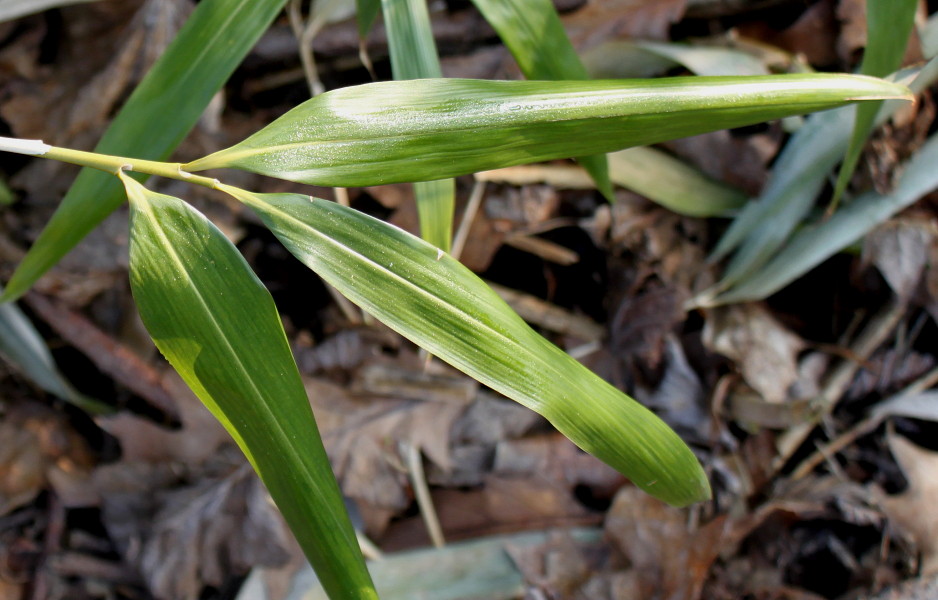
{"points": [[217, 325], [533, 33], [435, 301], [414, 56], [436, 128], [156, 117]]}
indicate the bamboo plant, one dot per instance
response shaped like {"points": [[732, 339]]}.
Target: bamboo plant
{"points": [[213, 320]]}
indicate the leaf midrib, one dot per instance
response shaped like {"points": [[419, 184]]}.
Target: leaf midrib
{"points": [[281, 433]]}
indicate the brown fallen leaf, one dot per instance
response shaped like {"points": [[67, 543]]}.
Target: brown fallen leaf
{"points": [[672, 560], [913, 511], [41, 450], [901, 250], [763, 349], [186, 538], [601, 20], [361, 435], [141, 440]]}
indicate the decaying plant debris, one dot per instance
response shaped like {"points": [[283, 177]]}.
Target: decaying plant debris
{"points": [[811, 410]]}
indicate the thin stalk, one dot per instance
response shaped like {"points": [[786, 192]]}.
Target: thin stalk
{"points": [[113, 164]]}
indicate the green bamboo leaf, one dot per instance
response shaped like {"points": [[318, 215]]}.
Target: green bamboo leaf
{"points": [[432, 299], [821, 240], [436, 205], [888, 26], [436, 128], [533, 33], [414, 56], [672, 183], [217, 325], [154, 120], [367, 13]]}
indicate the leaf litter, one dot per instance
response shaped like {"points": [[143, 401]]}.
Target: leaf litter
{"points": [[156, 511]]}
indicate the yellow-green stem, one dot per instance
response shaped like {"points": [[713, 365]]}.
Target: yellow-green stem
{"points": [[113, 164]]}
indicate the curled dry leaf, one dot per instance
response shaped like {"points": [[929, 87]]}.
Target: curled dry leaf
{"points": [[41, 450], [764, 350], [598, 21], [901, 251], [671, 561], [184, 539], [913, 511]]}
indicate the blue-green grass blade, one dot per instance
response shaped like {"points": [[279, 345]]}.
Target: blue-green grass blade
{"points": [[432, 299], [799, 175], [428, 129], [533, 33], [821, 240], [414, 56], [888, 26], [23, 348], [153, 121], [217, 325]]}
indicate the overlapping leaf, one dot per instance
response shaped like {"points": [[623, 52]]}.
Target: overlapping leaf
{"points": [[414, 56], [155, 118], [218, 326], [533, 33], [437, 128], [801, 171], [817, 243], [431, 298], [888, 25]]}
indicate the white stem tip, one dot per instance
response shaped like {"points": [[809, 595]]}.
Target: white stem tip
{"points": [[31, 147]]}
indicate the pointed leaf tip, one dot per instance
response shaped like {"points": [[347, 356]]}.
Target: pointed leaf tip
{"points": [[440, 305]]}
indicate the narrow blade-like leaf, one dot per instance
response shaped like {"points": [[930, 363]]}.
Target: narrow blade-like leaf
{"points": [[414, 56], [888, 26], [436, 204], [217, 325], [156, 117], [435, 301], [367, 12], [817, 243], [801, 171], [533, 33], [436, 128], [23, 348]]}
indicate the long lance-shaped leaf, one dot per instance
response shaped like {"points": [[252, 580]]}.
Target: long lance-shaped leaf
{"points": [[432, 299], [414, 56], [436, 128], [156, 117], [217, 325], [533, 33], [888, 26]]}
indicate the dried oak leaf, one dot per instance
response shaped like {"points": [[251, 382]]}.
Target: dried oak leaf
{"points": [[41, 450], [600, 20], [186, 538], [361, 436], [901, 250], [913, 511], [671, 561], [764, 350]]}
